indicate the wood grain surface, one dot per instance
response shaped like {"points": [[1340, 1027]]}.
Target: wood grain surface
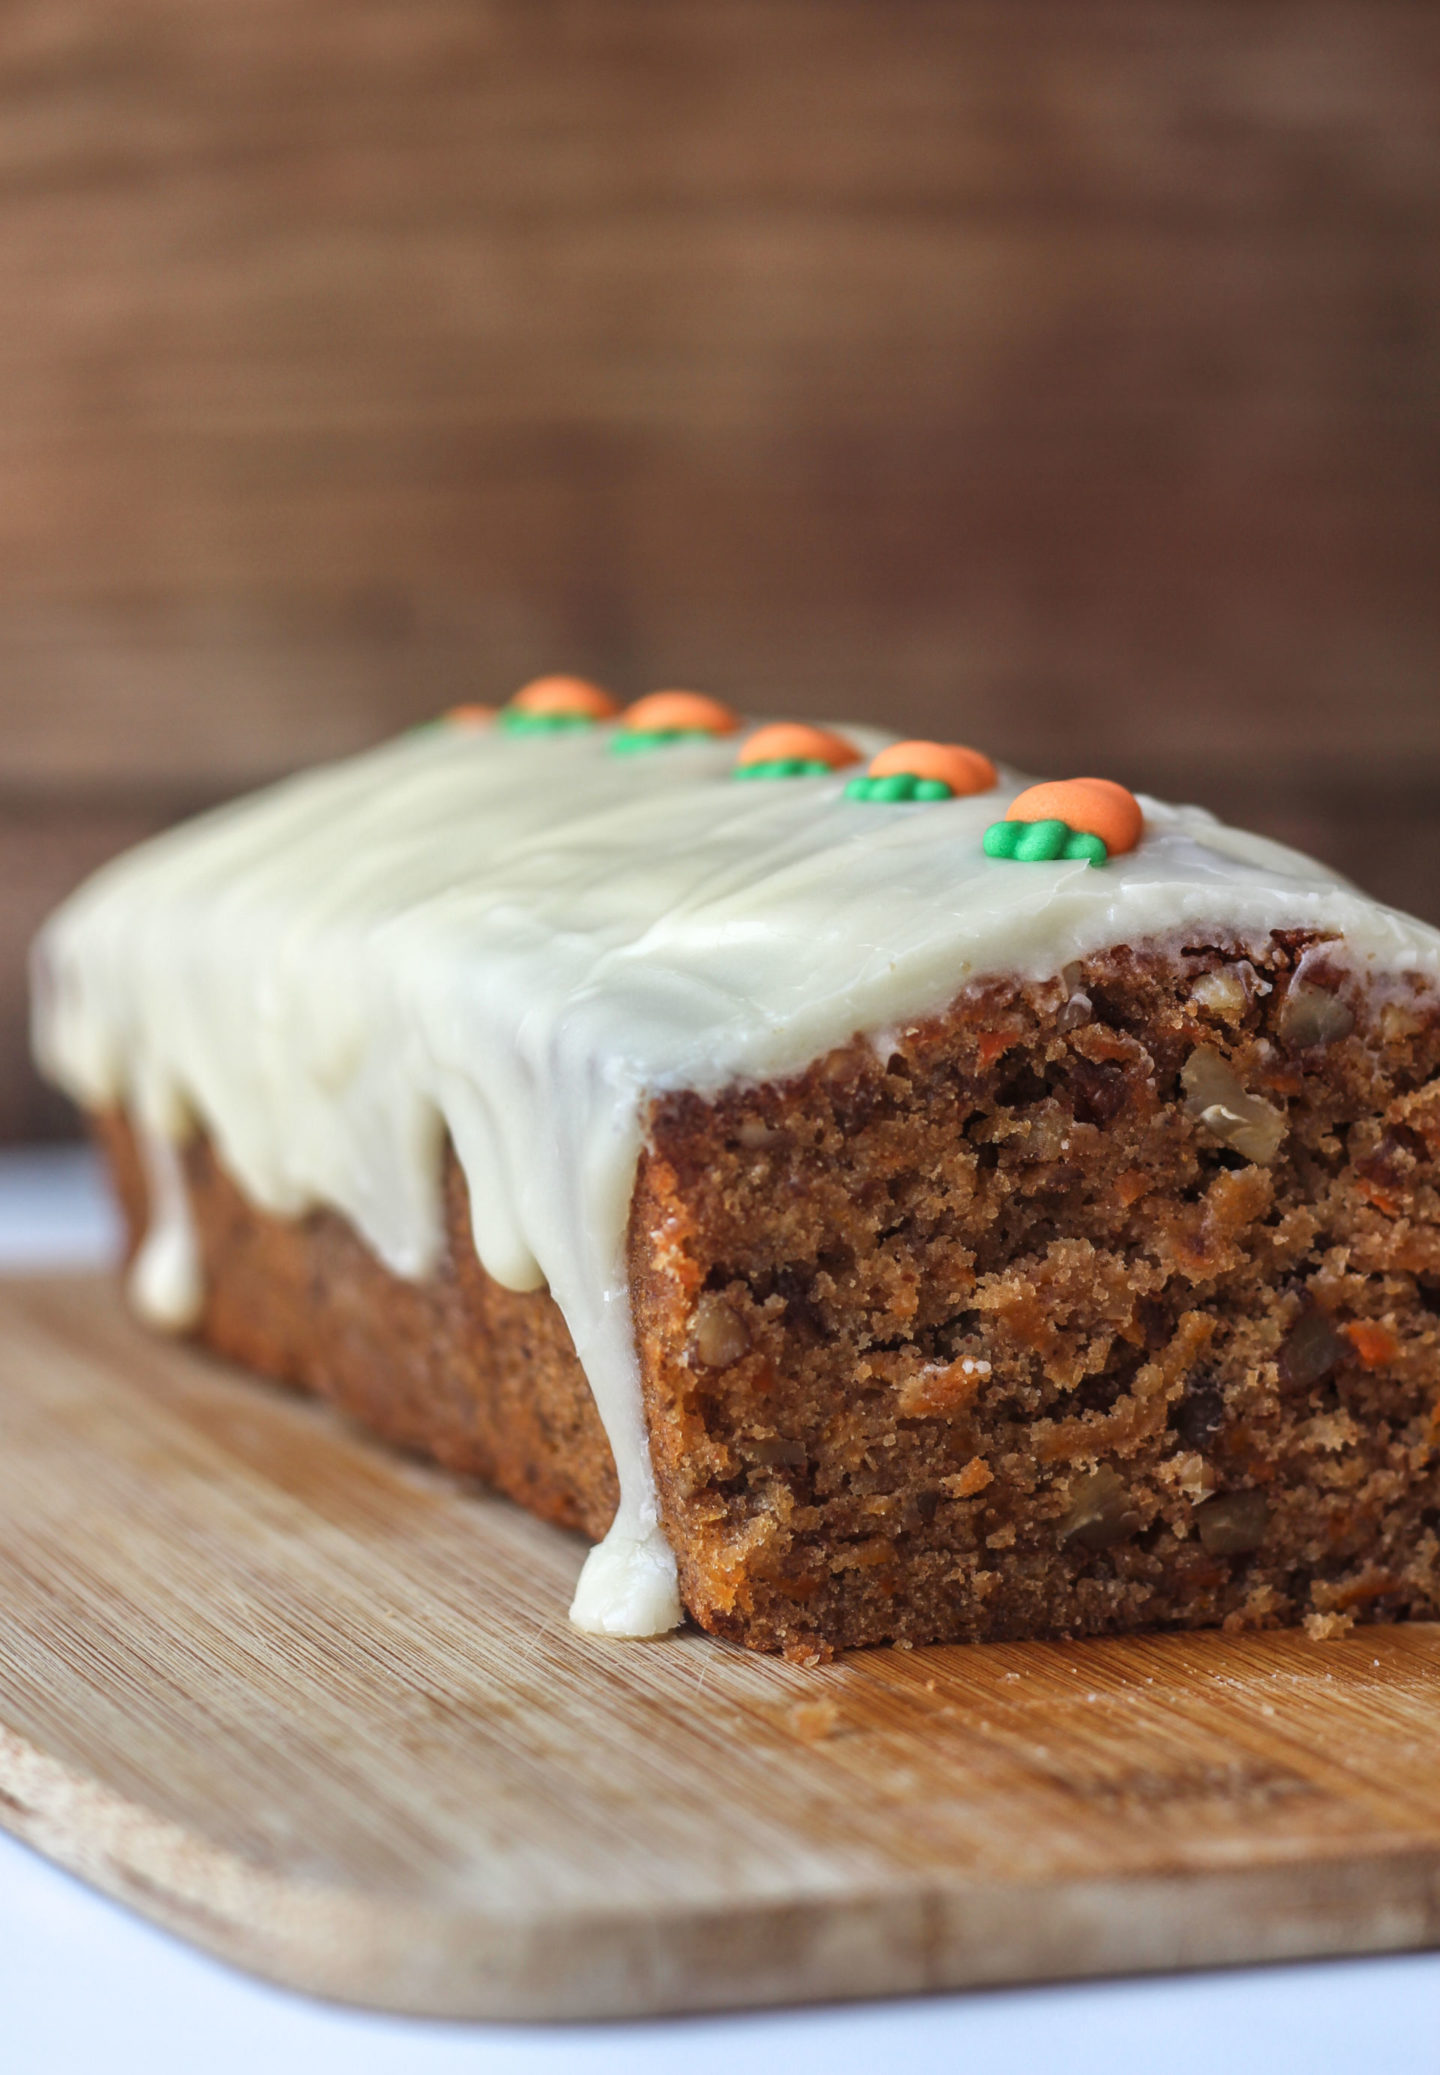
{"points": [[1067, 379], [318, 1709]]}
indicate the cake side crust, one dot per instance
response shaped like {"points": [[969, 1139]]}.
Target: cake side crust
{"points": [[456, 1367]]}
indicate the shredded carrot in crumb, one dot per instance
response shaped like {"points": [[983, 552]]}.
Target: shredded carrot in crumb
{"points": [[992, 1044], [1283, 1084], [1381, 1198], [1374, 1585], [976, 1474], [1375, 1345], [1131, 1186], [1107, 1044]]}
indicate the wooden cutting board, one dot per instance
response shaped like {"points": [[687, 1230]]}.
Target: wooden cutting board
{"points": [[319, 1710]]}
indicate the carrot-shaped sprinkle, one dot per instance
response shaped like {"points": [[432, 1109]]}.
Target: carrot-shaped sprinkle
{"points": [[923, 771], [662, 717], [1097, 805], [790, 749], [550, 704], [1092, 818]]}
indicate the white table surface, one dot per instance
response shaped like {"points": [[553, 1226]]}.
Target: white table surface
{"points": [[86, 1986]]}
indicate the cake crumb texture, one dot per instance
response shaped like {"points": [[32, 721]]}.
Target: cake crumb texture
{"points": [[1108, 1303], [481, 1378]]}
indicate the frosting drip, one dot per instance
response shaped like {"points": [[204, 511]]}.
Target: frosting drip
{"points": [[516, 939], [165, 1284]]}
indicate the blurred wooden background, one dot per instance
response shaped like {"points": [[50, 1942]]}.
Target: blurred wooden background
{"points": [[1062, 377]]}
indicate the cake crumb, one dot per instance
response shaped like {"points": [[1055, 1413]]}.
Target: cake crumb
{"points": [[813, 1720], [807, 1650], [1322, 1627]]}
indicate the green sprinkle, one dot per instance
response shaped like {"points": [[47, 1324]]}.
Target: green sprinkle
{"points": [[516, 722], [1082, 844], [1000, 838], [1040, 842], [633, 741], [784, 767], [898, 786]]}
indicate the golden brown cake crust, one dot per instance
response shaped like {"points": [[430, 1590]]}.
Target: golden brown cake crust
{"points": [[1105, 1303], [483, 1378]]}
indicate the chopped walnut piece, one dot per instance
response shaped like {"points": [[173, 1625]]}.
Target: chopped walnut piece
{"points": [[1193, 1476], [1101, 1513], [1215, 1097], [774, 1452], [1311, 1016], [756, 1136], [1222, 993], [1310, 1351], [1233, 1522], [719, 1335]]}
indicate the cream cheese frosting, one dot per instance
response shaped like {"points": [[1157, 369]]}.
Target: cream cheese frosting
{"points": [[517, 941]]}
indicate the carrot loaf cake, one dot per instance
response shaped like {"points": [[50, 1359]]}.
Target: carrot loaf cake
{"points": [[869, 1194]]}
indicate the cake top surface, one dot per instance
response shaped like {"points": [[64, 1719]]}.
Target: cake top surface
{"points": [[515, 935]]}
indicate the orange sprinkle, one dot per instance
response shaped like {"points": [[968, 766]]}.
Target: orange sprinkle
{"points": [[565, 695], [1375, 1345], [963, 770], [470, 716], [695, 711], [788, 738], [1097, 805]]}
